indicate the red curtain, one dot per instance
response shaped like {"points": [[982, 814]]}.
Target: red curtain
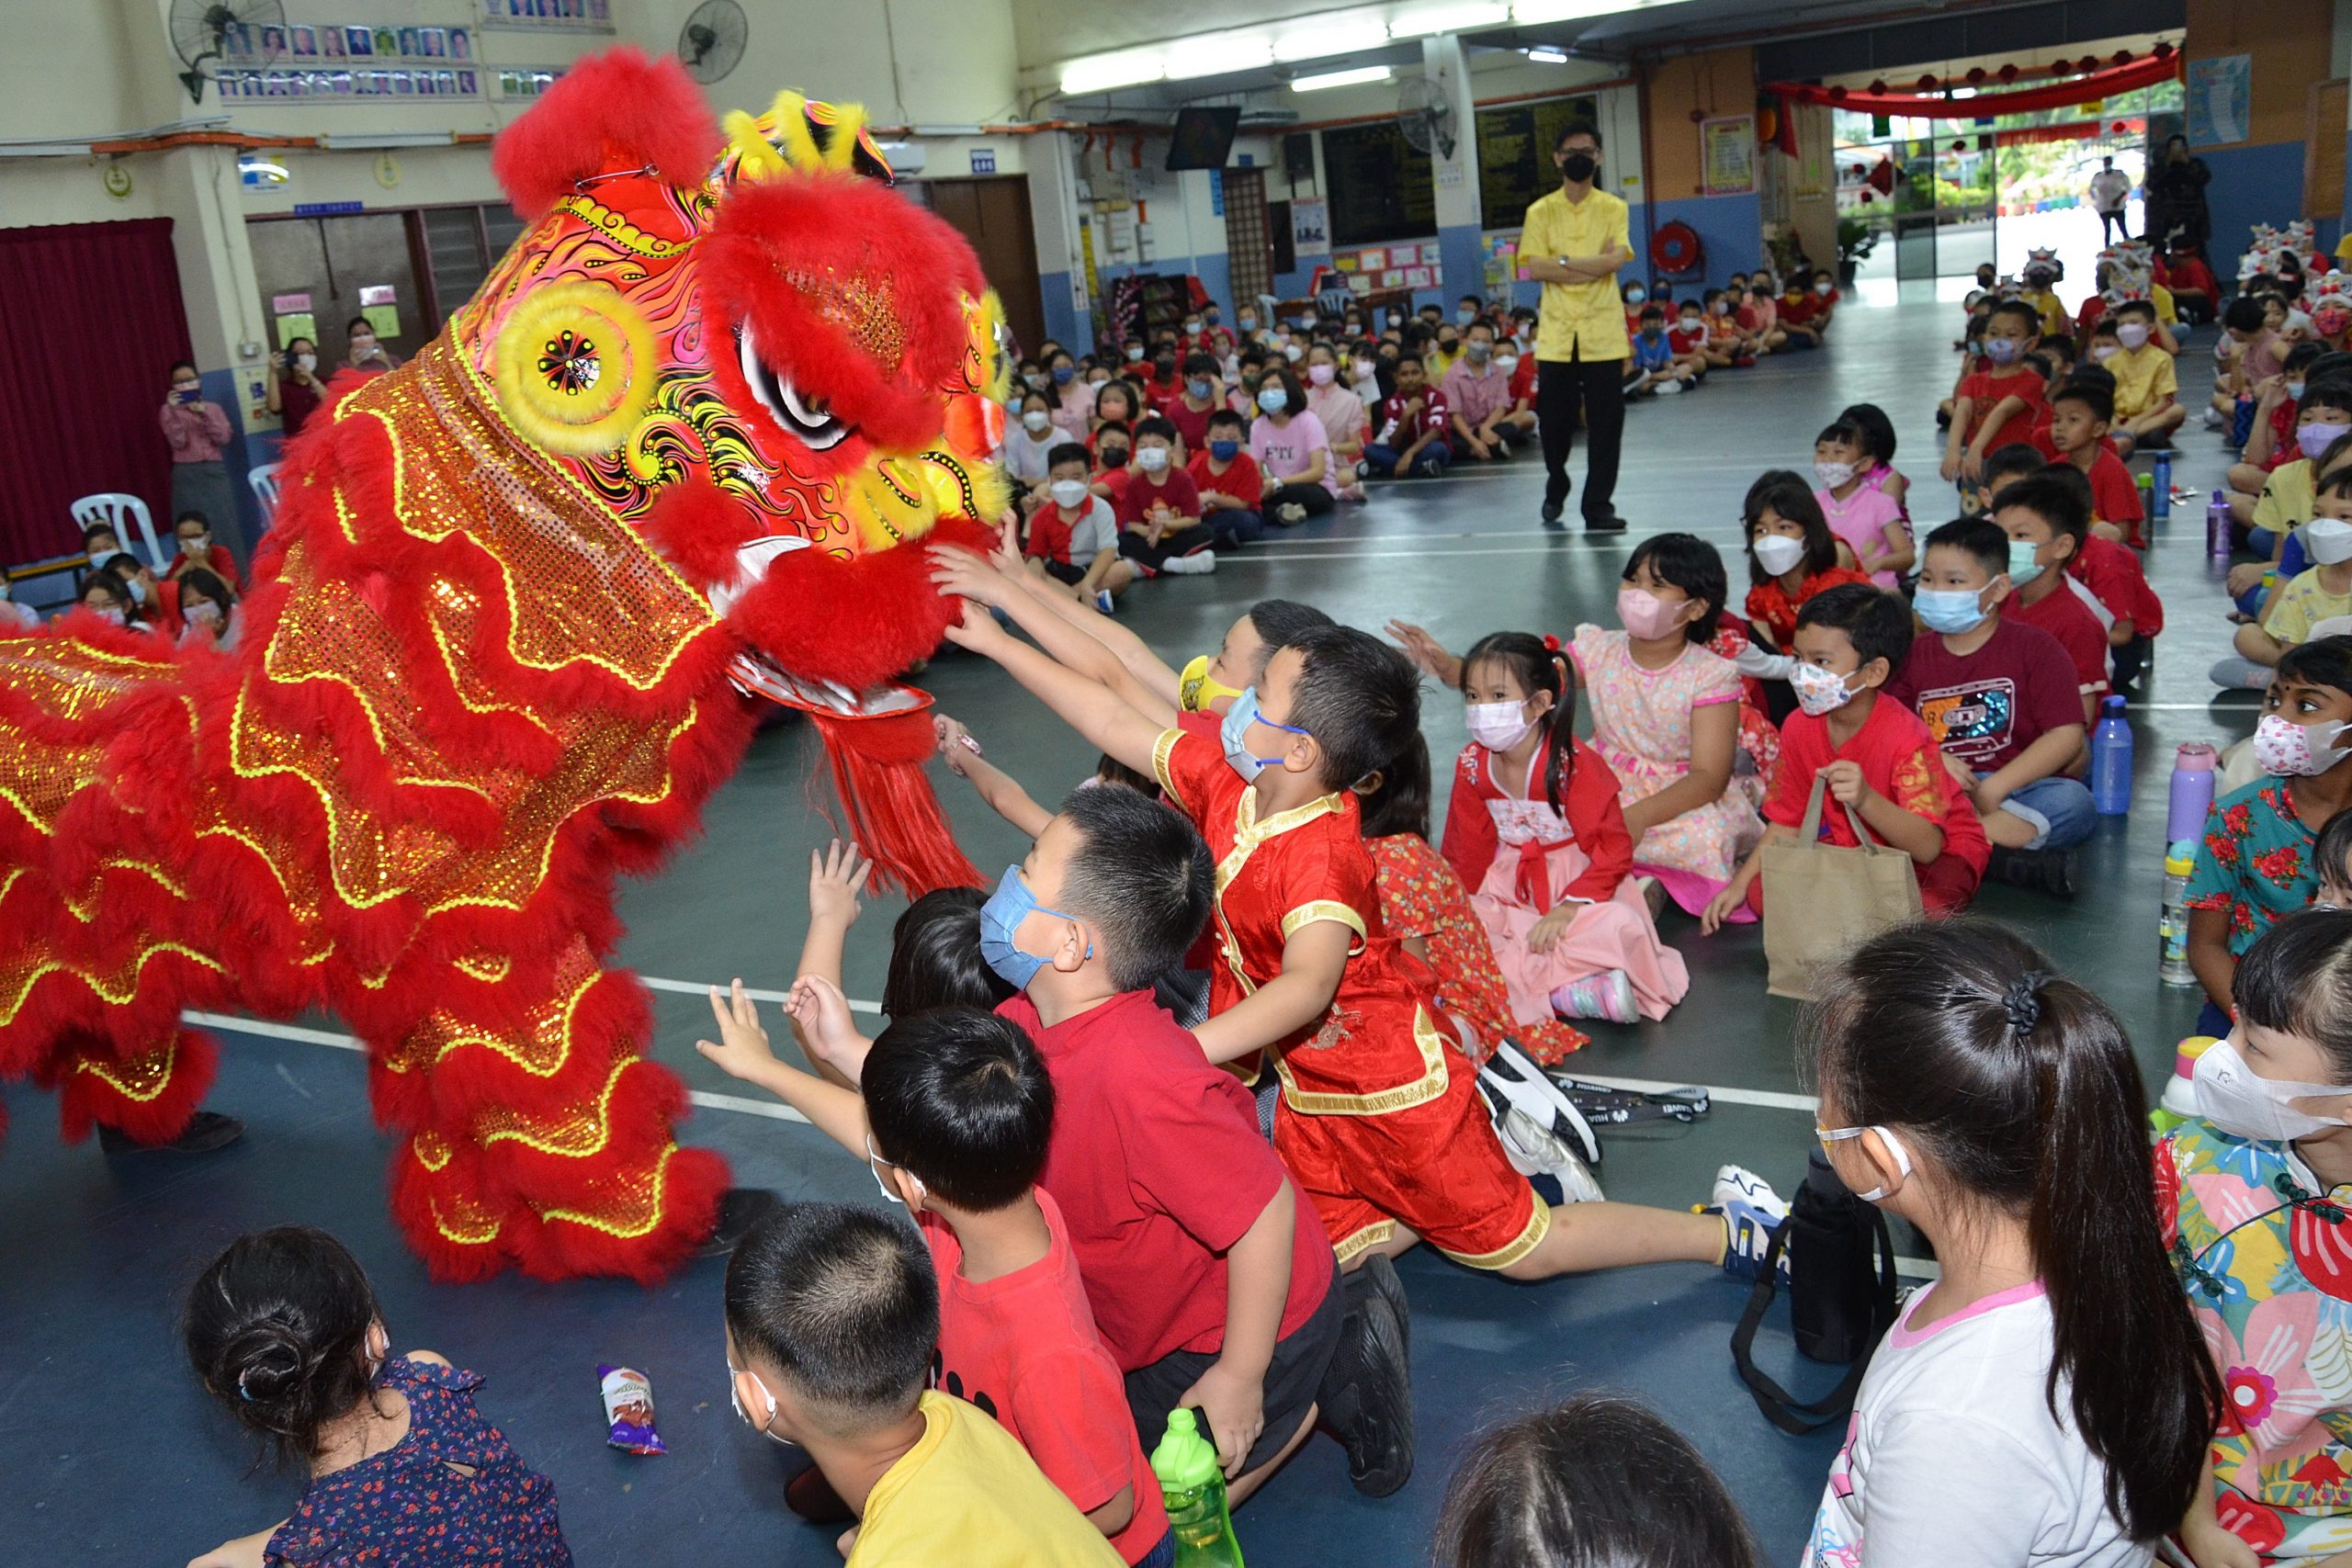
{"points": [[2106, 84], [90, 323]]}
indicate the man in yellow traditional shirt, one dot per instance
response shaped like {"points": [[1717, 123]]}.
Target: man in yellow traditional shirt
{"points": [[1573, 242]]}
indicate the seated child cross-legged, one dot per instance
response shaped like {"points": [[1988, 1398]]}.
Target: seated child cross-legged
{"points": [[955, 1118], [1379, 1117], [1159, 512], [284, 1329], [1998, 699], [1792, 554], [1870, 520], [1410, 427], [1231, 489], [1878, 760], [1536, 831], [2320, 593], [2079, 420], [1074, 533], [2047, 516], [832, 1321]]}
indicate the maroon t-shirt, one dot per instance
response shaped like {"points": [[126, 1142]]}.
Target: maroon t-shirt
{"points": [[296, 404], [1135, 502], [1193, 425], [1987, 706], [2067, 617]]}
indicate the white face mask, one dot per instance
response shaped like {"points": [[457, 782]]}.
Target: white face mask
{"points": [[2234, 1097], [1291, 351], [1507, 364], [365, 343], [2131, 334], [306, 363], [195, 547], [1069, 493], [2327, 540], [1832, 475], [2102, 351], [1497, 726], [1818, 690], [762, 1425], [2295, 750], [203, 613], [1151, 459], [1777, 553], [1036, 421], [1885, 1136]]}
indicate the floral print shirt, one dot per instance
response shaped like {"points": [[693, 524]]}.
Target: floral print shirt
{"points": [[2265, 1256], [2255, 861]]}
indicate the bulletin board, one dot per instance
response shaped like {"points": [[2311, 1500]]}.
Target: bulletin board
{"points": [[1515, 142], [1380, 187]]}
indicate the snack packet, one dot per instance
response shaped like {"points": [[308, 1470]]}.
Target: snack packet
{"points": [[628, 1410]]}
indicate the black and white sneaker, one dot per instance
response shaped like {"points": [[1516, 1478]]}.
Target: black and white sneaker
{"points": [[1511, 1079]]}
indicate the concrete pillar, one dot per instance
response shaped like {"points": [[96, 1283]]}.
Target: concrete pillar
{"points": [[1456, 177], [1059, 221]]}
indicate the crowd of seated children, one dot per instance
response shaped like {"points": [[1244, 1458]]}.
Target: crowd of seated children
{"points": [[2105, 575], [2283, 499], [2320, 591], [2270, 442]]}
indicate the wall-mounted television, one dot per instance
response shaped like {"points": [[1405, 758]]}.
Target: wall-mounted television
{"points": [[1203, 137]]}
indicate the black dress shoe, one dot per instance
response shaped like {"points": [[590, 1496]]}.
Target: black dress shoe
{"points": [[2055, 871], [740, 1208], [1609, 523], [206, 1131]]}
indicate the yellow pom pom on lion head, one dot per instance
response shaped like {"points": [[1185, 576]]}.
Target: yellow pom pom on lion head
{"points": [[575, 367]]}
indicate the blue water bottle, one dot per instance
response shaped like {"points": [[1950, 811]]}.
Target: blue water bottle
{"points": [[2160, 486], [2111, 760]]}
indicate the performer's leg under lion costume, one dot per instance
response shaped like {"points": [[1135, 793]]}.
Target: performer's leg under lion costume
{"points": [[499, 648]]}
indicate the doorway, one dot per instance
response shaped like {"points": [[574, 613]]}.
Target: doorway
{"points": [[992, 212], [330, 260]]}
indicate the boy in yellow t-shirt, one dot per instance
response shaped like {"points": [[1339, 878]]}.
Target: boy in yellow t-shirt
{"points": [[833, 1316], [2147, 406], [2319, 594]]}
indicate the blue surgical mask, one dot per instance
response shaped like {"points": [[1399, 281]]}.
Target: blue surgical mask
{"points": [[1199, 387], [1465, 317], [1273, 397], [1211, 316], [1636, 296], [1224, 451], [1235, 732], [2295, 391], [2002, 350], [1064, 374], [2023, 567], [1952, 611], [1000, 919]]}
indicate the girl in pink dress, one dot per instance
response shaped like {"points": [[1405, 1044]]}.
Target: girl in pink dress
{"points": [[1666, 717], [1871, 522], [1535, 830]]}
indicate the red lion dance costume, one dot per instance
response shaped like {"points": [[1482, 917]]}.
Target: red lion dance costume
{"points": [[499, 649]]}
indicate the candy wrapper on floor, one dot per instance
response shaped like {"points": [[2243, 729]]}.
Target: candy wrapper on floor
{"points": [[628, 1410]]}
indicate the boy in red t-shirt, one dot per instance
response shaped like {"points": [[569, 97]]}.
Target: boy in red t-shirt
{"points": [[2079, 418], [1159, 512], [954, 1114], [1873, 757], [1409, 428], [1987, 409], [1999, 699], [193, 531], [1189, 411], [2047, 516], [1073, 536], [2108, 571], [1230, 485], [1689, 341]]}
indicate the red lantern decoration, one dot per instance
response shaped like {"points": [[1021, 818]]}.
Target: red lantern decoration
{"points": [[2162, 51], [2009, 73], [2122, 57], [1927, 84], [2062, 67], [1976, 75], [1879, 86], [1837, 94]]}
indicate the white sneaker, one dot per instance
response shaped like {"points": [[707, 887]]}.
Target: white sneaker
{"points": [[1665, 387], [1200, 563], [1290, 512], [1535, 1152], [2212, 417], [1751, 1212], [1510, 1079], [1104, 601]]}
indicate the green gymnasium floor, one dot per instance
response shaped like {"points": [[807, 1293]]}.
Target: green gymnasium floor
{"points": [[119, 1458]]}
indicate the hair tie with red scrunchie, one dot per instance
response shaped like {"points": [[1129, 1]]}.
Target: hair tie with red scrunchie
{"points": [[1551, 643]]}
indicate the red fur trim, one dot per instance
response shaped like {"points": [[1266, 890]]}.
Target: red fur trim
{"points": [[85, 1100], [856, 621], [839, 226], [610, 111], [699, 527]]}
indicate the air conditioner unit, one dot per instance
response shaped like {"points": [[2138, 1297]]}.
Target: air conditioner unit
{"points": [[904, 157]]}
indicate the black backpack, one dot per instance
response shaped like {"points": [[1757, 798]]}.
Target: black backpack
{"points": [[1841, 1296]]}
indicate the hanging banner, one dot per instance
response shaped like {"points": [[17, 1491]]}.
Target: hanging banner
{"points": [[2220, 100], [2098, 85], [1727, 155]]}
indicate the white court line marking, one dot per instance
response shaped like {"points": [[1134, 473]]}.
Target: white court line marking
{"points": [[688, 988]]}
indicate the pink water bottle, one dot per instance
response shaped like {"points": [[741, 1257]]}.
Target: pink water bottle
{"points": [[2192, 792]]}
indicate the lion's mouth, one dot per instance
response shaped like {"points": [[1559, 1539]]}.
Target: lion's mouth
{"points": [[755, 673]]}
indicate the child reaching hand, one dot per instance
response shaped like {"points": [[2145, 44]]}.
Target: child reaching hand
{"points": [[1536, 829], [284, 1330]]}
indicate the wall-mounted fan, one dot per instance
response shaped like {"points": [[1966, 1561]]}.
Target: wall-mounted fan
{"points": [[1424, 115], [711, 44], [204, 30]]}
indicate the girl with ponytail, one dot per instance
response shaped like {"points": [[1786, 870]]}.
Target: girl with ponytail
{"points": [[284, 1330], [2048, 1399], [1536, 832]]}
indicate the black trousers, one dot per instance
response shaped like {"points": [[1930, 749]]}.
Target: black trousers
{"points": [[2115, 222], [1581, 392]]}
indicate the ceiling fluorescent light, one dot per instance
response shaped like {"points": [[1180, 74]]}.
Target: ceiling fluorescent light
{"points": [[374, 140], [1342, 32], [1448, 17], [1545, 54], [1213, 55], [1529, 12], [1355, 78], [1122, 68]]}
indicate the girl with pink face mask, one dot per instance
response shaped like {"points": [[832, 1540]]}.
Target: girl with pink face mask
{"points": [[1330, 400]]}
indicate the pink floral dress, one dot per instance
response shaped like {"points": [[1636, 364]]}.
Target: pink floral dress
{"points": [[1640, 727]]}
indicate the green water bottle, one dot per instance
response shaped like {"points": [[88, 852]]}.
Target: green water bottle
{"points": [[1195, 1489]]}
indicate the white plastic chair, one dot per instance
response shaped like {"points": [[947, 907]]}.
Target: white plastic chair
{"points": [[264, 478], [114, 509]]}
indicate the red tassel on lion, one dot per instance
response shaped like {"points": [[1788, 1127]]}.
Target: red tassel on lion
{"points": [[524, 599]]}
